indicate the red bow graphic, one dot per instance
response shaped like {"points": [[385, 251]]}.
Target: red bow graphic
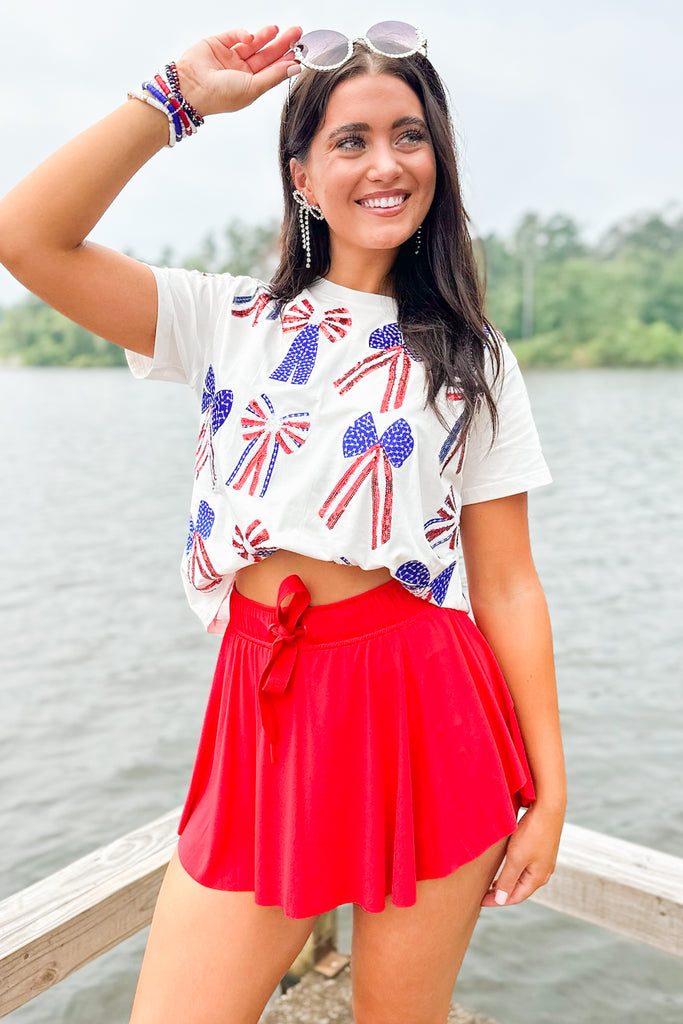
{"points": [[392, 354]]}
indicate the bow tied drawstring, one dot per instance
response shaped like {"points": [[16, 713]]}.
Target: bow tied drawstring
{"points": [[278, 670]]}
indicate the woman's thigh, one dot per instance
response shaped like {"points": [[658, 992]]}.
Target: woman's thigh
{"points": [[212, 956], [405, 960]]}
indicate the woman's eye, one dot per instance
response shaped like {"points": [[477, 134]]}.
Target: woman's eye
{"points": [[413, 136], [351, 142]]}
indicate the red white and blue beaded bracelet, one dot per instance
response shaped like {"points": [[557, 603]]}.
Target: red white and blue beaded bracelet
{"points": [[163, 92]]}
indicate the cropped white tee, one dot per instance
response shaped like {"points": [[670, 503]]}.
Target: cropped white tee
{"points": [[314, 436]]}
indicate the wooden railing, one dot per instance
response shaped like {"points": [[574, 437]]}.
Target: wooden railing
{"points": [[60, 923]]}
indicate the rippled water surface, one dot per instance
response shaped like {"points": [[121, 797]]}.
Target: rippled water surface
{"points": [[104, 671]]}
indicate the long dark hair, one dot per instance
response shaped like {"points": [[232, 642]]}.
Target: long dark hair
{"points": [[439, 296]]}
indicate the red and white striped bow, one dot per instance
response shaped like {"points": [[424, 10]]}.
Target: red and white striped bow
{"points": [[267, 434]]}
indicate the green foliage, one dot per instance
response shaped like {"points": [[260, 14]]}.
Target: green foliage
{"points": [[35, 335], [241, 249], [633, 344], [664, 300], [559, 300]]}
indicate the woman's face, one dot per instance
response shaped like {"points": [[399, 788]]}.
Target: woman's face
{"points": [[371, 166]]}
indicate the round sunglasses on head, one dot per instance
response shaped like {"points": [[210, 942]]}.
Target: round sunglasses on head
{"points": [[325, 50]]}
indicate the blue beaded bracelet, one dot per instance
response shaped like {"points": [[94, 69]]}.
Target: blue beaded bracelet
{"points": [[171, 110], [163, 92]]}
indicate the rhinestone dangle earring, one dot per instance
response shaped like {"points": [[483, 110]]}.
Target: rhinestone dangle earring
{"points": [[305, 210], [418, 239]]}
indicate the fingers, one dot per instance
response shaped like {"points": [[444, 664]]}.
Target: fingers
{"points": [[228, 71], [519, 877], [233, 39], [269, 56], [260, 39], [258, 55], [270, 76], [253, 41], [506, 892]]}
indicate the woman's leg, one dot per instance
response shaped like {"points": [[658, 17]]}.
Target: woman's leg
{"points": [[405, 960], [212, 956]]}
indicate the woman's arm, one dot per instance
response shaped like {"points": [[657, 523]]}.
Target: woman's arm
{"points": [[509, 608], [46, 218]]}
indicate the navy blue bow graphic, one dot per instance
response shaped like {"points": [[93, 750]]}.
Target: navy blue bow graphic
{"points": [[416, 577]]}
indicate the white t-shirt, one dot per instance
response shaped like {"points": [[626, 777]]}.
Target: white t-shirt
{"points": [[314, 437]]}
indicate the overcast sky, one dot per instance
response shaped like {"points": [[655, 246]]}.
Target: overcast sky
{"points": [[572, 108]]}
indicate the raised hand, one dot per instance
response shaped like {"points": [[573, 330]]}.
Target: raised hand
{"points": [[229, 71]]}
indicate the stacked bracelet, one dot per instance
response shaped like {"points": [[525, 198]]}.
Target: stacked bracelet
{"points": [[163, 92]]}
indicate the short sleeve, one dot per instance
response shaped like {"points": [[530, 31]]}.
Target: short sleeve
{"points": [[514, 462], [189, 307]]}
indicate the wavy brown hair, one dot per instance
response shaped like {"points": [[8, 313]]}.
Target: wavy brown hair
{"points": [[439, 295]]}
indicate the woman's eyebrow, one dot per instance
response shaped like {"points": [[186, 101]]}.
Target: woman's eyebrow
{"points": [[362, 126], [353, 126], [410, 119]]}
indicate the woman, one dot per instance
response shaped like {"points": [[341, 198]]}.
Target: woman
{"points": [[358, 416]]}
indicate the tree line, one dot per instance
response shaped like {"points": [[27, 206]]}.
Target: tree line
{"points": [[563, 302], [559, 300]]}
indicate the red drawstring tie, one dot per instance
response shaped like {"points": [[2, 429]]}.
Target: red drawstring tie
{"points": [[280, 665]]}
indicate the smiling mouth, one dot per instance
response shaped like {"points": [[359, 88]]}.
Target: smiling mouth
{"points": [[383, 202]]}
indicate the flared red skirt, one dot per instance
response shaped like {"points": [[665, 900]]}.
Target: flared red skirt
{"points": [[349, 750]]}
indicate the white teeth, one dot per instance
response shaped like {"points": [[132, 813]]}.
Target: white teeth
{"points": [[384, 202]]}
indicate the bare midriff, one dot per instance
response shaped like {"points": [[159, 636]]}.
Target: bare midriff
{"points": [[325, 581]]}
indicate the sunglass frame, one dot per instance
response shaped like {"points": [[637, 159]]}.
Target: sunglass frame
{"points": [[421, 45]]}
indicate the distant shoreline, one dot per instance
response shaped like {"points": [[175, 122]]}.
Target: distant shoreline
{"points": [[14, 363]]}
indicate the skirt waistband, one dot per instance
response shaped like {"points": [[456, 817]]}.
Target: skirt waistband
{"points": [[354, 618], [294, 625]]}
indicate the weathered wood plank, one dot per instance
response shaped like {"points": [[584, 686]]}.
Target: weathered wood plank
{"points": [[60, 923], [619, 885], [67, 919]]}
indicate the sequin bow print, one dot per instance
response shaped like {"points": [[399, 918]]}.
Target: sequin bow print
{"points": [[251, 543], [246, 305], [449, 448], [444, 528], [216, 406], [266, 434], [375, 457], [200, 571], [415, 576], [392, 355], [300, 360]]}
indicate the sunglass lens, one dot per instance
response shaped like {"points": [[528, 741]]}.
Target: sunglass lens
{"points": [[323, 47], [393, 38]]}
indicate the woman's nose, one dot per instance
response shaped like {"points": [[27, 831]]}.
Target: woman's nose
{"points": [[384, 164]]}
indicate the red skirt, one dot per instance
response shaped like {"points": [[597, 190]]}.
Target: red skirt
{"points": [[349, 750]]}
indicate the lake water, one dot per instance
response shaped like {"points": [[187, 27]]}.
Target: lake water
{"points": [[104, 671]]}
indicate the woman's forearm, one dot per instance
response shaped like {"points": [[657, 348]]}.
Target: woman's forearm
{"points": [[58, 204], [517, 627]]}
